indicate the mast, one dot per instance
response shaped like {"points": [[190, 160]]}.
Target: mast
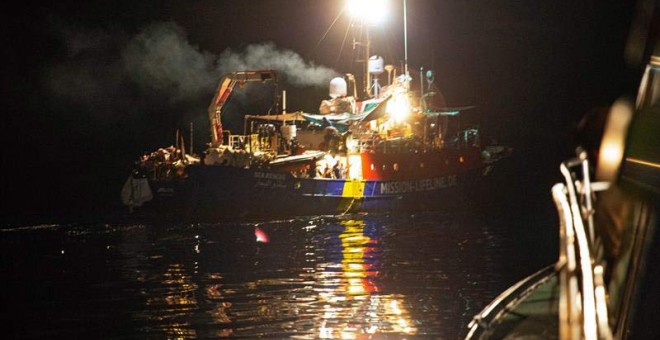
{"points": [[366, 84], [366, 13], [405, 44]]}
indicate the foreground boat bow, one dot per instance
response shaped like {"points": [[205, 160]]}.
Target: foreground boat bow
{"points": [[604, 284]]}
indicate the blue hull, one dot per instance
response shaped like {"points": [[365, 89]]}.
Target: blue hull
{"points": [[215, 192]]}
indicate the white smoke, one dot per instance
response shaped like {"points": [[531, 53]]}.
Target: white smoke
{"points": [[102, 69], [89, 74], [268, 56], [161, 58]]}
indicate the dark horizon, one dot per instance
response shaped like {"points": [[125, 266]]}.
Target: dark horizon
{"points": [[80, 105]]}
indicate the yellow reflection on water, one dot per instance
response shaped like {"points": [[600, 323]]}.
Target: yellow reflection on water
{"points": [[176, 301], [352, 304], [337, 297]]}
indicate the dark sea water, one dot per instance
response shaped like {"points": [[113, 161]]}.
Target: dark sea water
{"points": [[350, 277]]}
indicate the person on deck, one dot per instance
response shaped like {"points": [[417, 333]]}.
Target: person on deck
{"points": [[336, 171], [311, 170]]}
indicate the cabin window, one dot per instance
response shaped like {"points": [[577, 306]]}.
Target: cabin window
{"points": [[384, 167], [395, 166], [372, 167]]}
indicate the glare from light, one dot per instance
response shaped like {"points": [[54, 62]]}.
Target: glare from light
{"points": [[325, 332], [371, 11], [398, 108], [394, 307], [355, 289], [614, 137], [347, 334], [356, 267], [611, 153], [352, 144], [355, 167]]}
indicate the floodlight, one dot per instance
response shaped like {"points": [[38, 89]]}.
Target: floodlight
{"points": [[371, 11]]}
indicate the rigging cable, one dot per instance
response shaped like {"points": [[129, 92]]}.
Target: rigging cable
{"points": [[343, 42], [326, 32]]}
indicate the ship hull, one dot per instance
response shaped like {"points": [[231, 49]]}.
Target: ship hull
{"points": [[218, 192]]}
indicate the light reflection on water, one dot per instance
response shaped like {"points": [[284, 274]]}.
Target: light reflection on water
{"points": [[327, 277]]}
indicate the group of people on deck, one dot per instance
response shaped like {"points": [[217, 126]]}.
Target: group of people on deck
{"points": [[325, 170]]}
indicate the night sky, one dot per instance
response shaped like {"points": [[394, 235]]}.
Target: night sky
{"points": [[87, 87]]}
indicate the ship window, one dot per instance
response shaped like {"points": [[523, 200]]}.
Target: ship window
{"points": [[460, 159], [372, 167], [395, 166], [384, 167], [421, 165]]}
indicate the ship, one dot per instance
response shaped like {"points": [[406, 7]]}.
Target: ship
{"points": [[604, 284], [387, 150]]}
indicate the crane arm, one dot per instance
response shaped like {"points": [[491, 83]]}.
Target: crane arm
{"points": [[223, 93]]}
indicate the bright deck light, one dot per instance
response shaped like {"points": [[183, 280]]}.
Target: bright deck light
{"points": [[372, 11], [398, 107]]}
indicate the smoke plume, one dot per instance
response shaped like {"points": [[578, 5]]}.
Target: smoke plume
{"points": [[268, 56], [160, 58], [160, 62], [89, 74]]}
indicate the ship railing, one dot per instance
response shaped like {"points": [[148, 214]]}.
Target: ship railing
{"points": [[383, 145], [583, 312], [368, 141], [250, 143], [481, 323]]}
